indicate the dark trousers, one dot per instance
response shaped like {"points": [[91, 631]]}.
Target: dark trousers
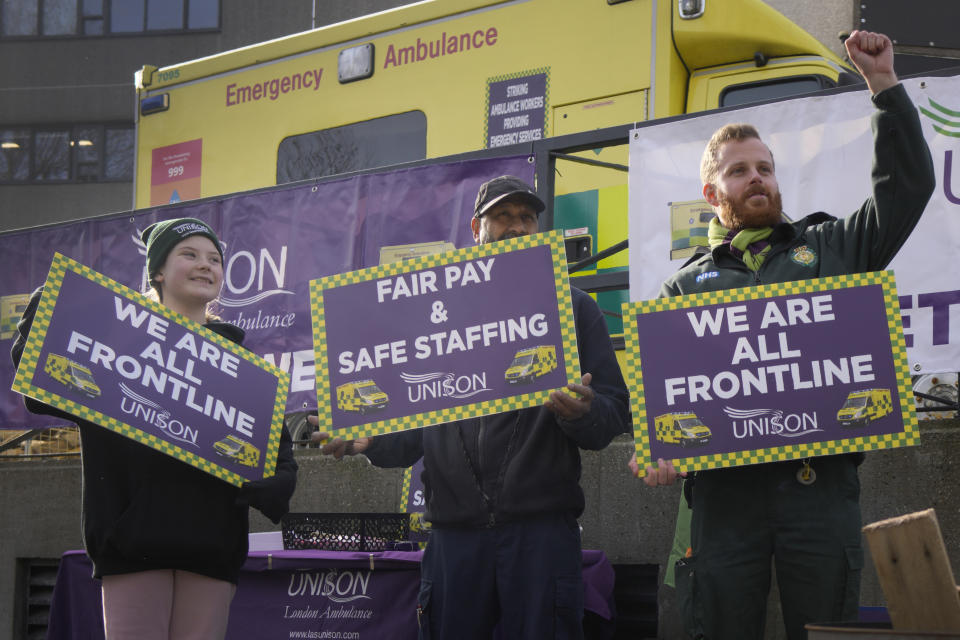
{"points": [[524, 576], [745, 516]]}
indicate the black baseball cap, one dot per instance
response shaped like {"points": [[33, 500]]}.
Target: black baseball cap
{"points": [[495, 190]]}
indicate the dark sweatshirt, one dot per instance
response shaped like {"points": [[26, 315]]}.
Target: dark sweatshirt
{"points": [[518, 465]]}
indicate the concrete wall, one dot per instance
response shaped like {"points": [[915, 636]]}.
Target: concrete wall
{"points": [[633, 524]]}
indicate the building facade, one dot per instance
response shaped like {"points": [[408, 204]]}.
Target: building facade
{"points": [[67, 100]]}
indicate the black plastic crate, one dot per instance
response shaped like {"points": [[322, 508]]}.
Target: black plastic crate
{"points": [[344, 531]]}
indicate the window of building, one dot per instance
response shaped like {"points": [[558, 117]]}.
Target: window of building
{"points": [[126, 17], [51, 156], [118, 163], [15, 155], [59, 17], [362, 145], [58, 154], [105, 17], [19, 18]]}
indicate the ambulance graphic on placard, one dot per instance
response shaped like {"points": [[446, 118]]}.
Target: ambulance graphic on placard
{"points": [[239, 450], [71, 375], [684, 429], [529, 364], [865, 406], [361, 396]]}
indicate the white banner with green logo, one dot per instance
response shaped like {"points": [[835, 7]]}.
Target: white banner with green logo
{"points": [[823, 148]]}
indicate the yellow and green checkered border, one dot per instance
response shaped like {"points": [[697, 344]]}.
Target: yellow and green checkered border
{"points": [[405, 489], [31, 356], [553, 239], [910, 435], [513, 76]]}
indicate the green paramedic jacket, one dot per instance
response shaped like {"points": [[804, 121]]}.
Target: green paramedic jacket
{"points": [[820, 245]]}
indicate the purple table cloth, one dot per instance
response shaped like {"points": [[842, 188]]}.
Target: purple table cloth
{"points": [[304, 594]]}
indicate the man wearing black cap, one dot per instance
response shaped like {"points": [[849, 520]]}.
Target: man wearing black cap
{"points": [[502, 491]]}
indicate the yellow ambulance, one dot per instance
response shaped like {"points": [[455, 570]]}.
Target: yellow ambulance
{"points": [[443, 77], [11, 308], [71, 374], [239, 450], [361, 396], [529, 364], [865, 406], [684, 429]]}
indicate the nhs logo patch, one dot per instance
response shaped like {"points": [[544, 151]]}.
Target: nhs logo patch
{"points": [[707, 275]]}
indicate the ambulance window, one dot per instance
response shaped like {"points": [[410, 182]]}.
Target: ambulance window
{"points": [[362, 145], [783, 88]]}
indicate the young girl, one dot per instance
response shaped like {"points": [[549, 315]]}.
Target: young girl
{"points": [[166, 539]]}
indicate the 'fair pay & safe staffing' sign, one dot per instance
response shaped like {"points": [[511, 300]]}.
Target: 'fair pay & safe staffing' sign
{"points": [[107, 354], [767, 373], [443, 337]]}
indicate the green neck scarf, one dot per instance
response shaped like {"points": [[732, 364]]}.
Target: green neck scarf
{"points": [[750, 245]]}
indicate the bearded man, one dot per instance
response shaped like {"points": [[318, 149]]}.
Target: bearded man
{"points": [[805, 515]]}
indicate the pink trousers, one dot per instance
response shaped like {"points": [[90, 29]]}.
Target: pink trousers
{"points": [[165, 605]]}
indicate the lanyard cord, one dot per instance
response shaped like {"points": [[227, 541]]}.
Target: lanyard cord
{"points": [[487, 500]]}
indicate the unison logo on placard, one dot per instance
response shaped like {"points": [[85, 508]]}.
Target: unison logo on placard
{"points": [[138, 406], [440, 384], [756, 423]]}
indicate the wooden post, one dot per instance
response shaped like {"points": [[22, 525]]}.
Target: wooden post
{"points": [[914, 572]]}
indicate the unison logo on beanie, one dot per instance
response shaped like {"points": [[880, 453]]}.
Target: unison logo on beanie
{"points": [[189, 227]]}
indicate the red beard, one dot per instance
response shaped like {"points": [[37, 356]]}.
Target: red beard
{"points": [[736, 214]]}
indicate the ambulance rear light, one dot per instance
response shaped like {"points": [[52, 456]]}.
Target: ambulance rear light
{"points": [[155, 104], [690, 9], [355, 63]]}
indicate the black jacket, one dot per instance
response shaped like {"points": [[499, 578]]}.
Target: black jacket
{"points": [[143, 510], [521, 464]]}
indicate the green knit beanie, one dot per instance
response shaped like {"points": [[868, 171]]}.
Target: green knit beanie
{"points": [[161, 237]]}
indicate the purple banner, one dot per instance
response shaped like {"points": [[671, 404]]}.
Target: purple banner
{"points": [[304, 594], [437, 338], [769, 373], [276, 242], [327, 597], [106, 353]]}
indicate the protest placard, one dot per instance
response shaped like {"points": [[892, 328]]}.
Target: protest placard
{"points": [[773, 372], [109, 355], [443, 337]]}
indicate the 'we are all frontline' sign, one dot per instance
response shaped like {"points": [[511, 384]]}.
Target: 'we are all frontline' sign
{"points": [[107, 354], [774, 372]]}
